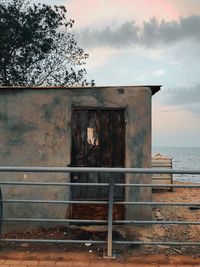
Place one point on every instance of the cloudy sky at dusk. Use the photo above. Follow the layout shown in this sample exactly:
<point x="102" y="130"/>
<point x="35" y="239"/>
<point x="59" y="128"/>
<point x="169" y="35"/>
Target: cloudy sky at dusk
<point x="136" y="42"/>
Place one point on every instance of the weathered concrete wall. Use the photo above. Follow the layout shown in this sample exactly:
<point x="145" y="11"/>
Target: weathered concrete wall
<point x="35" y="130"/>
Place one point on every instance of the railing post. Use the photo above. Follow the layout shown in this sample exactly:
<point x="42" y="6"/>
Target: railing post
<point x="110" y="220"/>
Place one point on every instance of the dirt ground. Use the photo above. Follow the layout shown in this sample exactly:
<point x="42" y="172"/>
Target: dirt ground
<point x="185" y="233"/>
<point x="180" y="254"/>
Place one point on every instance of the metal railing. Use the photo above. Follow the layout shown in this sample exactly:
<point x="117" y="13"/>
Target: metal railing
<point x="111" y="184"/>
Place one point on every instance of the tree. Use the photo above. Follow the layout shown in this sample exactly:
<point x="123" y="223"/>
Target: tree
<point x="37" y="46"/>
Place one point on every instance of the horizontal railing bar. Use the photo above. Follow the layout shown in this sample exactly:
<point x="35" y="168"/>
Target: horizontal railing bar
<point x="99" y="184"/>
<point x="160" y="163"/>
<point x="162" y="166"/>
<point x="51" y="241"/>
<point x="157" y="203"/>
<point x="52" y="220"/>
<point x="155" y="222"/>
<point x="52" y="201"/>
<point x="99" y="221"/>
<point x="97" y="170"/>
<point x="159" y="185"/>
<point x="98" y="202"/>
<point x="98" y="242"/>
<point x="161" y="178"/>
<point x="53" y="184"/>
<point x="157" y="243"/>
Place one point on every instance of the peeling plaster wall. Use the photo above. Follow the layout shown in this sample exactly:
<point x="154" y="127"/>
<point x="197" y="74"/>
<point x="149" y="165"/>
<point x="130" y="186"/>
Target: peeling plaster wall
<point x="35" y="130"/>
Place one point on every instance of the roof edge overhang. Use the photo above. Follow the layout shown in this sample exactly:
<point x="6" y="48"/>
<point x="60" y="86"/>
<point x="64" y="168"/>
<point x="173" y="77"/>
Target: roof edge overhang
<point x="154" y="88"/>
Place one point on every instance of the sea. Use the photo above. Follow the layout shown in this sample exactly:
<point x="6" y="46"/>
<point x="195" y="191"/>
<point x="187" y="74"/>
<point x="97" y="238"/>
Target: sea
<point x="183" y="158"/>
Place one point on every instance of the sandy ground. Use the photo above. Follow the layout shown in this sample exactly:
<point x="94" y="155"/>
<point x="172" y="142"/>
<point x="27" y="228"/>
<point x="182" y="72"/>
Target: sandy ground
<point x="159" y="254"/>
<point x="185" y="233"/>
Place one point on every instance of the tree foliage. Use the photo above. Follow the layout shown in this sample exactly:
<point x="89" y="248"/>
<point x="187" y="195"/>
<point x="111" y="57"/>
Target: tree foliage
<point x="37" y="46"/>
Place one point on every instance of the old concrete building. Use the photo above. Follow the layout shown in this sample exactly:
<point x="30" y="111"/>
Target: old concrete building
<point x="90" y="126"/>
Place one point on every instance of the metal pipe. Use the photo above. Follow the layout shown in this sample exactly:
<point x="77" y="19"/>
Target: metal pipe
<point x="97" y="202"/>
<point x="156" y="222"/>
<point x="97" y="184"/>
<point x="52" y="220"/>
<point x="163" y="178"/>
<point x="98" y="242"/>
<point x="158" y="243"/>
<point x="52" y="201"/>
<point x="51" y="241"/>
<point x="110" y="219"/>
<point x="159" y="185"/>
<point x="97" y="170"/>
<point x="99" y="221"/>
<point x="156" y="203"/>
<point x="53" y="184"/>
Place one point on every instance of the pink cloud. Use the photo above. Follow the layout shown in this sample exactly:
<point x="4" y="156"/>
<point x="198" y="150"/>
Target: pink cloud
<point x="179" y="119"/>
<point x="101" y="12"/>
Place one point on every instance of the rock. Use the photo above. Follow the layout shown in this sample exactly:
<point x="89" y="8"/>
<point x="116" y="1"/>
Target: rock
<point x="88" y="244"/>
<point x="158" y="216"/>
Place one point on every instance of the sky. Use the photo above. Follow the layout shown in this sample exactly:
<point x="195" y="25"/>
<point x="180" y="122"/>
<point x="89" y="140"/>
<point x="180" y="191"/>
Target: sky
<point x="146" y="42"/>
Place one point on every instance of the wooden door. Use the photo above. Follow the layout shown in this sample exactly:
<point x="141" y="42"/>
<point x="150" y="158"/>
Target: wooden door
<point x="98" y="140"/>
